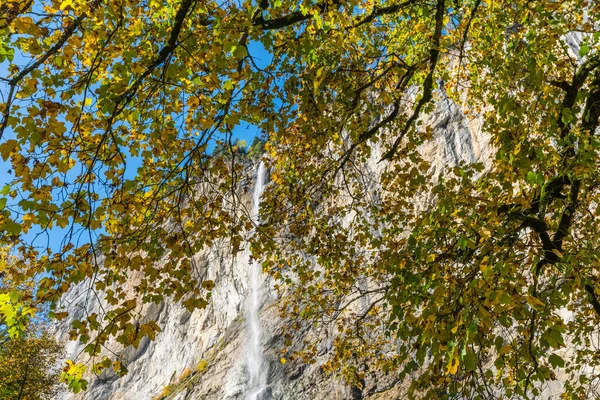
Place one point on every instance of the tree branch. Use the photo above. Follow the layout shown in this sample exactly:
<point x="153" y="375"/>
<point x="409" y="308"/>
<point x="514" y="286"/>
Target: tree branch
<point x="380" y="11"/>
<point x="12" y="14"/>
<point x="292" y="18"/>
<point x="53" y="50"/>
<point x="428" y="84"/>
<point x="299" y="16"/>
<point x="163" y="54"/>
<point x="593" y="298"/>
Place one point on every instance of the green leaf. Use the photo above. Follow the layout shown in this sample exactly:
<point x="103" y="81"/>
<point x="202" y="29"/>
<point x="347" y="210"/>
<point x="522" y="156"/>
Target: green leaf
<point x="470" y="361"/>
<point x="556" y="361"/>
<point x="10" y="227"/>
<point x="567" y="116"/>
<point x="6" y="52"/>
<point x="239" y="51"/>
<point x="535" y="303"/>
<point x="15" y="296"/>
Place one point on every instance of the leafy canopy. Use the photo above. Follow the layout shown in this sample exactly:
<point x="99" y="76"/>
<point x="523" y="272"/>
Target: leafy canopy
<point x="29" y="355"/>
<point x="110" y="110"/>
<point x="28" y="366"/>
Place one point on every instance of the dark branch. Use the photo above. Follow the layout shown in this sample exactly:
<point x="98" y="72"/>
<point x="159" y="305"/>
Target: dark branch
<point x="369" y="133"/>
<point x="13" y="12"/>
<point x="467" y="29"/>
<point x="299" y="16"/>
<point x="571" y="90"/>
<point x="381" y="11"/>
<point x="428" y="84"/>
<point x="292" y="18"/>
<point x="593" y="298"/>
<point x="566" y="218"/>
<point x="163" y="54"/>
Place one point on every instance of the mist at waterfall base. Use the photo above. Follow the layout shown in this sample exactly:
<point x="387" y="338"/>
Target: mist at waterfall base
<point x="257" y="379"/>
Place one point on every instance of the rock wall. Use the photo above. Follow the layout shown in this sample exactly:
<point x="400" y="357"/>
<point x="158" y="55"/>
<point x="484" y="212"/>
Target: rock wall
<point x="201" y="355"/>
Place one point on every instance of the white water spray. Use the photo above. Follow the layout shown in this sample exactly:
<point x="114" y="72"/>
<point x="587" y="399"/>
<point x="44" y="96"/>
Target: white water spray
<point x="257" y="381"/>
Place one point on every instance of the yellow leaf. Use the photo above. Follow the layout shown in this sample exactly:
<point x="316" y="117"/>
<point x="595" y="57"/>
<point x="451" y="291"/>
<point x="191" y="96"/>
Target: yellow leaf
<point x="534" y="302"/>
<point x="452" y="367"/>
<point x="66" y="4"/>
<point x="558" y="253"/>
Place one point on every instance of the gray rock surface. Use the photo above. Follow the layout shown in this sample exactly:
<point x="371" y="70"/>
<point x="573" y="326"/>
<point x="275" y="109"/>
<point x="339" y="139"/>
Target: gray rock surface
<point x="212" y="342"/>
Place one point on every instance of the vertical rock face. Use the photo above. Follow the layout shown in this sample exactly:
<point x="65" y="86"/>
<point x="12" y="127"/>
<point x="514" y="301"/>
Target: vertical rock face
<point x="456" y="139"/>
<point x="203" y="354"/>
<point x="186" y="338"/>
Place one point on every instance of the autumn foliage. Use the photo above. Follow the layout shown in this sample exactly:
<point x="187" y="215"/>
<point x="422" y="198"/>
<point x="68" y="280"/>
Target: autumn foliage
<point x="29" y="355"/>
<point x="29" y="367"/>
<point x="111" y="110"/>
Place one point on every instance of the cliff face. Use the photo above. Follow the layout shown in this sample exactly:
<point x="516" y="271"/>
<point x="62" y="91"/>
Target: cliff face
<point x="202" y="355"/>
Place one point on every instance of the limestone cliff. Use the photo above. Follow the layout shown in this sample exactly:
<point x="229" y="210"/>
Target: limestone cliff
<point x="201" y="355"/>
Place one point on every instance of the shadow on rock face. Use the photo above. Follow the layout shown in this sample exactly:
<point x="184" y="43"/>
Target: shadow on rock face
<point x="264" y="394"/>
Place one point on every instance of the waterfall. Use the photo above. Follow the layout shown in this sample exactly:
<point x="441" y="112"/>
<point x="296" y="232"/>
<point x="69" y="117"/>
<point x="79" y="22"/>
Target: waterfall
<point x="257" y="379"/>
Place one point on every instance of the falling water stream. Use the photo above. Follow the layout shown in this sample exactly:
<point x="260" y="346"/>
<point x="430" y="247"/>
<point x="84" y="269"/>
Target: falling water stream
<point x="257" y="379"/>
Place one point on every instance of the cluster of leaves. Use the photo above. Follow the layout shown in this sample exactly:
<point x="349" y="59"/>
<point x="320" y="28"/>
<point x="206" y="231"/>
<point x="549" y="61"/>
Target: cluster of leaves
<point x="231" y="149"/>
<point x="18" y="306"/>
<point x="28" y="366"/>
<point x="461" y="280"/>
<point x="29" y="355"/>
<point x="172" y="387"/>
<point x="257" y="148"/>
<point x="239" y="149"/>
<point x="111" y="109"/>
<point x="15" y="313"/>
